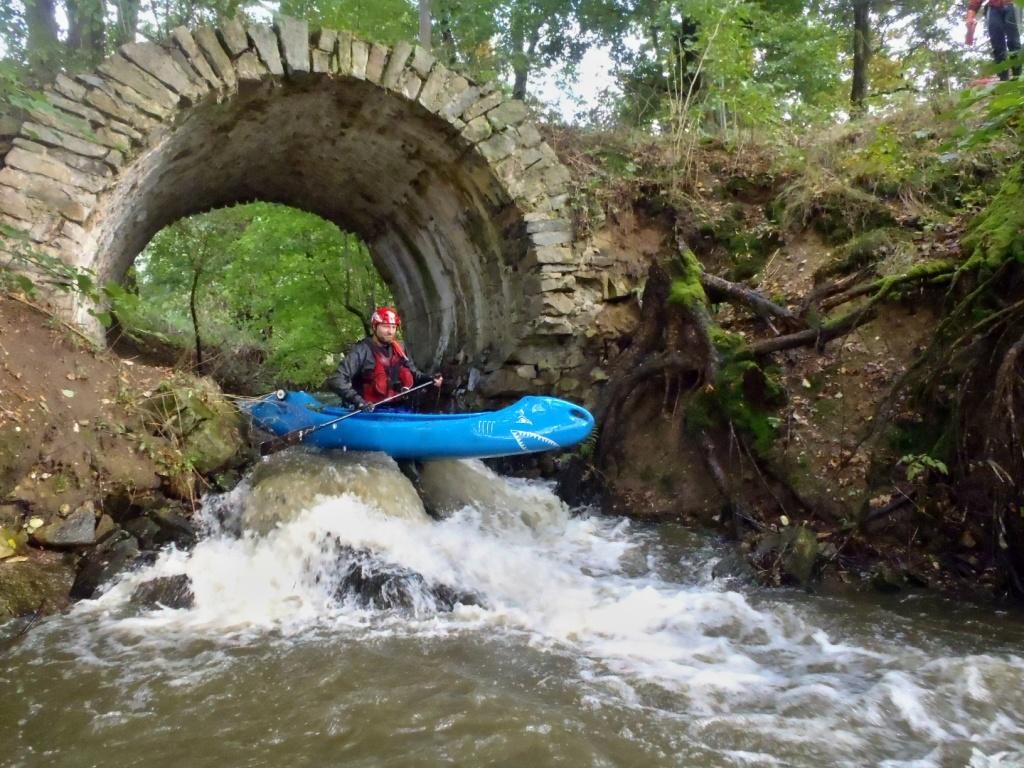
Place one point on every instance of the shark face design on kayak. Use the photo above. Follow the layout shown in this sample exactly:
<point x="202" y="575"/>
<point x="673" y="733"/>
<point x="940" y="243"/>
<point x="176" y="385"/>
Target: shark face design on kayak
<point x="521" y="439"/>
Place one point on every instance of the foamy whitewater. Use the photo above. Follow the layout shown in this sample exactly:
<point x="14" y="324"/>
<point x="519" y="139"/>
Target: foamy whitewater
<point x="753" y="679"/>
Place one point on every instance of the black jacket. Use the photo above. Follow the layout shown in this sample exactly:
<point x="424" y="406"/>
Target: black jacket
<point x="357" y="368"/>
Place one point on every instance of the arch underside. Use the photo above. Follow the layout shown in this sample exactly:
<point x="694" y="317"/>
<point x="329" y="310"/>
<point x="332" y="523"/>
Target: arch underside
<point x="441" y="230"/>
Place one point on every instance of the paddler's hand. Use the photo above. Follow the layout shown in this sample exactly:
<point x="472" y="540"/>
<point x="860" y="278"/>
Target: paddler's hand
<point x="362" y="405"/>
<point x="438" y="379"/>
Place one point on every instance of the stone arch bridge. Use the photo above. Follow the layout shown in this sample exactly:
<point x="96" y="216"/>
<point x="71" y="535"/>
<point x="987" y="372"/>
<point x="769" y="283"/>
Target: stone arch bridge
<point x="464" y="206"/>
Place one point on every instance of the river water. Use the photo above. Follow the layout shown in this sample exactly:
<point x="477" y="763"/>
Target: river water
<point x="596" y="642"/>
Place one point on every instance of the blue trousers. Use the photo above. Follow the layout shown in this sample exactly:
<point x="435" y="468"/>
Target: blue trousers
<point x="1004" y="32"/>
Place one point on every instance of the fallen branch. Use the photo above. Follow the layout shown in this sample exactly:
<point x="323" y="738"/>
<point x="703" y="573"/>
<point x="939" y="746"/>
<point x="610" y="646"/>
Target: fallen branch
<point x="832" y="329"/>
<point x="886" y="285"/>
<point x="825" y="290"/>
<point x="815" y="336"/>
<point x="719" y="288"/>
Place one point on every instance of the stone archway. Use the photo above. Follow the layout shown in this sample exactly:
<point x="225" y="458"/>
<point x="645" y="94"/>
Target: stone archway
<point x="461" y="201"/>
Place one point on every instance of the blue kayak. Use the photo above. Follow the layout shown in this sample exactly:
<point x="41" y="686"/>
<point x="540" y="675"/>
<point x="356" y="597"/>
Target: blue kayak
<point x="530" y="425"/>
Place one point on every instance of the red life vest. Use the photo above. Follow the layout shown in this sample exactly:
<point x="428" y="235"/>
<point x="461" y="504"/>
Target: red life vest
<point x="390" y="376"/>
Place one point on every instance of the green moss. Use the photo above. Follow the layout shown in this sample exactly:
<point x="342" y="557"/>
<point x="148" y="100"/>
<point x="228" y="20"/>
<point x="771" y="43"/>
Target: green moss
<point x="686" y="288"/>
<point x="997" y="234"/>
<point x="863" y="249"/>
<point x="745" y="395"/>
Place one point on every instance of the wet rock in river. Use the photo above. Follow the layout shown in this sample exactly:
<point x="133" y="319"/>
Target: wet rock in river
<point x="375" y="583"/>
<point x="35" y="585"/>
<point x="77" y="530"/>
<point x="165" y="591"/>
<point x="116" y="553"/>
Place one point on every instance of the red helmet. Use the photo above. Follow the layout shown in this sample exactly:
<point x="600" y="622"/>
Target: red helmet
<point x="386" y="315"/>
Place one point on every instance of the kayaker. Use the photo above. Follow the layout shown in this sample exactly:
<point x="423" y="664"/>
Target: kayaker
<point x="377" y="367"/>
<point x="1003" y="23"/>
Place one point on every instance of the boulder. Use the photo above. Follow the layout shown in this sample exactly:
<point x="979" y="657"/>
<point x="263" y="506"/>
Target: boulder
<point x="117" y="552"/>
<point x="35" y="585"/>
<point x="195" y="414"/>
<point x="77" y="530"/>
<point x="375" y="583"/>
<point x="165" y="591"/>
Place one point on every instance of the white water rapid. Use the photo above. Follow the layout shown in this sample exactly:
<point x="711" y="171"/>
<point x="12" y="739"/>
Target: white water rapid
<point x="614" y="638"/>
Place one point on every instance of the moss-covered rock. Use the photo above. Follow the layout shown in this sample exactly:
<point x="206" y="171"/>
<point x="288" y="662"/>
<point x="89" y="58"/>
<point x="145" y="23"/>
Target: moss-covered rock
<point x="39" y="584"/>
<point x="194" y="416"/>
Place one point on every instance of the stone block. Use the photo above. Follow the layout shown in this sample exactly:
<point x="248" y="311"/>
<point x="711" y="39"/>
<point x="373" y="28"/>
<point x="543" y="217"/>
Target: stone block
<point x="64" y="140"/>
<point x="215" y="56"/>
<point x="44" y="165"/>
<point x="615" y="287"/>
<point x="552" y="237"/>
<point x="375" y="62"/>
<point x="529" y="136"/>
<point x="557" y="304"/>
<point x="68" y="201"/>
<point x="344" y="62"/>
<point x="123" y="71"/>
<point x="114" y="107"/>
<point x="482" y="105"/>
<point x="154" y="60"/>
<point x="188" y="46"/>
<point x="326" y="40"/>
<point x="422" y="61"/>
<point x="497" y="147"/>
<point x="458" y="95"/>
<point x="360" y="55"/>
<point x="554" y="255"/>
<point x="477" y="130"/>
<point x="250" y="68"/>
<point x="14" y="204"/>
<point x="557" y="283"/>
<point x="396" y="65"/>
<point x="293" y="35"/>
<point x="553" y="326"/>
<point x="76" y="108"/>
<point x="409" y="85"/>
<point x="69" y="88"/>
<point x="320" y="61"/>
<point x="539" y="222"/>
<point x="78" y="127"/>
<point x="511" y="112"/>
<point x="87" y="165"/>
<point x="232" y="34"/>
<point x="433" y="94"/>
<point x="265" y="42"/>
<point x="201" y="86"/>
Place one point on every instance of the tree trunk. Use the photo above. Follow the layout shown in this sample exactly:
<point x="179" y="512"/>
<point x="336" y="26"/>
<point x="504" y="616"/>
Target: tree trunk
<point x="425" y="23"/>
<point x="86" y="29"/>
<point x="42" y="43"/>
<point x="520" y="66"/>
<point x="127" y="22"/>
<point x="861" y="53"/>
<point x="192" y="305"/>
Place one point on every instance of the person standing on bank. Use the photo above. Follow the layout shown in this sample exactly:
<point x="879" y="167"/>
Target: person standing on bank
<point x="377" y="367"/>
<point x="1003" y="30"/>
